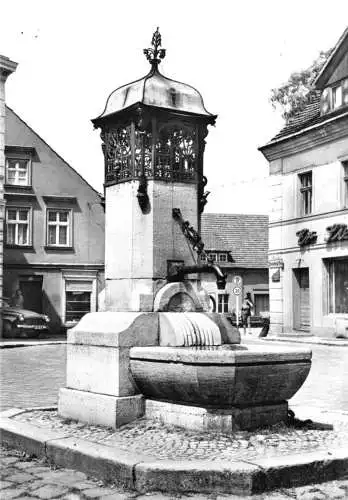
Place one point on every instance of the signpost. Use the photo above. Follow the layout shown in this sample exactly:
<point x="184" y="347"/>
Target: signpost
<point x="237" y="290"/>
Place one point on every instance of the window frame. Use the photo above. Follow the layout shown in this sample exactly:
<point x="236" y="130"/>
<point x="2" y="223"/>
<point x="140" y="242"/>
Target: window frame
<point x="305" y="191"/>
<point x="16" y="223"/>
<point x="17" y="158"/>
<point x="87" y="280"/>
<point x="69" y="225"/>
<point x="225" y="259"/>
<point x="222" y="302"/>
<point x="334" y="91"/>
<point x="344" y="164"/>
<point x="331" y="286"/>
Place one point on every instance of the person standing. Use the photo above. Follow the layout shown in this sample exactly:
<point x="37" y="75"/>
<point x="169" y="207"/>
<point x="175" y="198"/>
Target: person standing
<point x="18" y="299"/>
<point x="247" y="307"/>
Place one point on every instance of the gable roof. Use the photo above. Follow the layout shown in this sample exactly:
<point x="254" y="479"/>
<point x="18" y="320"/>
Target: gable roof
<point x="335" y="57"/>
<point x="11" y="140"/>
<point x="245" y="236"/>
<point x="310" y="115"/>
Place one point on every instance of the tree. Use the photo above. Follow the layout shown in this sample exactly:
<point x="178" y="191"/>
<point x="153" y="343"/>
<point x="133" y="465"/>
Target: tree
<point x="292" y="96"/>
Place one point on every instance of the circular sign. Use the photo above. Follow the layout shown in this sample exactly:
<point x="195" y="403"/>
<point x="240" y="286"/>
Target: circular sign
<point x="237" y="290"/>
<point x="237" y="280"/>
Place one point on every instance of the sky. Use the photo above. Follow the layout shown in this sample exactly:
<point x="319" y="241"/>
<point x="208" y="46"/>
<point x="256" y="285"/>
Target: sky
<point x="72" y="54"/>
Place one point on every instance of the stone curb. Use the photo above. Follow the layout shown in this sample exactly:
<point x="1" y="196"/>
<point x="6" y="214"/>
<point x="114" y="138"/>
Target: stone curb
<point x="12" y="345"/>
<point x="146" y="473"/>
<point x="307" y="340"/>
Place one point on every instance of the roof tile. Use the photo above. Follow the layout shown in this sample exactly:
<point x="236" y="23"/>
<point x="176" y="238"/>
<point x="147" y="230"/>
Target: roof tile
<point x="244" y="235"/>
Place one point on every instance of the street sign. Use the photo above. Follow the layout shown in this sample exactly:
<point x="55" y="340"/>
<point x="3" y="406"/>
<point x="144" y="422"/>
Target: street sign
<point x="237" y="290"/>
<point x="237" y="280"/>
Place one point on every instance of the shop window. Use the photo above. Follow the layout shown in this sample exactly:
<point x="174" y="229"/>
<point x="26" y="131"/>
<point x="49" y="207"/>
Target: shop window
<point x="78" y="299"/>
<point x="338" y="286"/>
<point x="223" y="302"/>
<point x="18" y="226"/>
<point x="58" y="228"/>
<point x="261" y="302"/>
<point x="305" y="193"/>
<point x="18" y="171"/>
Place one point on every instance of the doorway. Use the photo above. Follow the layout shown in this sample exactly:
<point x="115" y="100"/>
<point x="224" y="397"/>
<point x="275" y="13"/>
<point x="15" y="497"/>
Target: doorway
<point x="31" y="287"/>
<point x="301" y="299"/>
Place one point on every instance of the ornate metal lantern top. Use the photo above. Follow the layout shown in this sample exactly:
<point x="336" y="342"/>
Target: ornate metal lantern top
<point x="155" y="89"/>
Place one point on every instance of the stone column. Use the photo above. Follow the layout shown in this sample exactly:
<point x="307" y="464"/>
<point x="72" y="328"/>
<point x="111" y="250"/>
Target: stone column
<point x="6" y="68"/>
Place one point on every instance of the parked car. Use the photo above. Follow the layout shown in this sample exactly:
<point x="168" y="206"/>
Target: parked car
<point x="18" y="322"/>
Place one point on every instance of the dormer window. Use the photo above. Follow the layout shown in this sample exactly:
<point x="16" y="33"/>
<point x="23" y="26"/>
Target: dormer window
<point x="336" y="97"/>
<point x="18" y="171"/>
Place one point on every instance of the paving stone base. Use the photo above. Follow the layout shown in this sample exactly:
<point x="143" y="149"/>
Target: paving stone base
<point x="202" y="419"/>
<point x="218" y="463"/>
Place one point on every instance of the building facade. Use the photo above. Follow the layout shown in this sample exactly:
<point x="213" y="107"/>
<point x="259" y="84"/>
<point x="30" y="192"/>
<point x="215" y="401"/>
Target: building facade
<point x="6" y="68"/>
<point x="54" y="230"/>
<point x="308" y="230"/>
<point x="239" y="244"/>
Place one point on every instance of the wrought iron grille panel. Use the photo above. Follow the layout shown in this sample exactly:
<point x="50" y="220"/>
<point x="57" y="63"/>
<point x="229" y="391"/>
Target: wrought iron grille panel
<point x="118" y="154"/>
<point x="143" y="153"/>
<point x="176" y="155"/>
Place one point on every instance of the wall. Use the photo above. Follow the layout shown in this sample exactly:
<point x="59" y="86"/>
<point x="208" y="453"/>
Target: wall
<point x="54" y="184"/>
<point x="329" y="207"/>
<point x="6" y="68"/>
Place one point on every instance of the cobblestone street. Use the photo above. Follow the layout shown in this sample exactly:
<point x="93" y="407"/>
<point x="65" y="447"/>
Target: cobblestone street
<point x="25" y="478"/>
<point x="165" y="442"/>
<point x="31" y="376"/>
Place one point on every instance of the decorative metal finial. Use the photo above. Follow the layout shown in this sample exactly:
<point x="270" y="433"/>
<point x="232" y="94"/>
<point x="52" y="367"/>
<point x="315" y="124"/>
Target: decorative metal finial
<point x="155" y="55"/>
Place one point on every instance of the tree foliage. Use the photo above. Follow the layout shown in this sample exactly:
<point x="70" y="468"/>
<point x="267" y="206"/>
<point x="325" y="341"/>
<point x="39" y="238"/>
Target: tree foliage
<point x="292" y="96"/>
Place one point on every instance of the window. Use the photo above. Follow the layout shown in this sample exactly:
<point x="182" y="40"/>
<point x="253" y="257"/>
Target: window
<point x="17" y="172"/>
<point x="337" y="97"/>
<point x="345" y="181"/>
<point x="77" y="304"/>
<point x="338" y="286"/>
<point x="306" y="193"/>
<point x="223" y="257"/>
<point x="223" y="302"/>
<point x="261" y="302"/>
<point x="58" y="228"/>
<point x="18" y="226"/>
<point x="212" y="257"/>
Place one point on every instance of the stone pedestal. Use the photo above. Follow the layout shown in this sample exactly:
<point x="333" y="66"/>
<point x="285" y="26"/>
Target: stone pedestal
<point x="100" y="388"/>
<point x="216" y="420"/>
<point x="99" y="409"/>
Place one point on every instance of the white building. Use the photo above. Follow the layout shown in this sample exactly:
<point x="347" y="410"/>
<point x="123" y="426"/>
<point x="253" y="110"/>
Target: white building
<point x="308" y="226"/>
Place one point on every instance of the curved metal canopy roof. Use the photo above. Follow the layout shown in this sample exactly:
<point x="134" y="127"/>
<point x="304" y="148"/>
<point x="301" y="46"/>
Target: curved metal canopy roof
<point x="155" y="89"/>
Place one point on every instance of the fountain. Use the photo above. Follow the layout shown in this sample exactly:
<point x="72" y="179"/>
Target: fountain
<point x="157" y="351"/>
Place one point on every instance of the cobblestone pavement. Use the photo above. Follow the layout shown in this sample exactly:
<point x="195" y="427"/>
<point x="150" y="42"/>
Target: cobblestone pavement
<point x="31" y="376"/>
<point x="168" y="442"/>
<point x="23" y="477"/>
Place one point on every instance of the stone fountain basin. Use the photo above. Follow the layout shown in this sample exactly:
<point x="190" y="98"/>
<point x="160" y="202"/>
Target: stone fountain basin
<point x="220" y="376"/>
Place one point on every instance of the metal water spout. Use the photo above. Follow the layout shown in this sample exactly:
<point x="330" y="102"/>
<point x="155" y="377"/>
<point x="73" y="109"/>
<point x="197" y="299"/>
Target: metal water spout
<point x="178" y="274"/>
